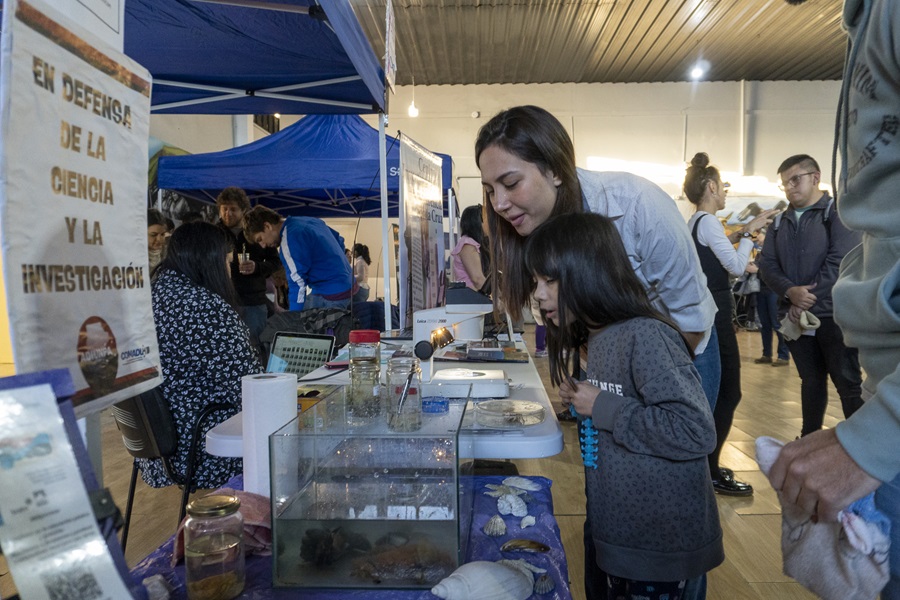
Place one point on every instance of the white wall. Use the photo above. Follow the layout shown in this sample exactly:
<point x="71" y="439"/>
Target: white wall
<point x="198" y="133"/>
<point x="664" y="123"/>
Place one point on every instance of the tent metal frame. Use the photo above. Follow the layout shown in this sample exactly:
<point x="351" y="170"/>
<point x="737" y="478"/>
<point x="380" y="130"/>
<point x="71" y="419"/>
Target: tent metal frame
<point x="235" y="93"/>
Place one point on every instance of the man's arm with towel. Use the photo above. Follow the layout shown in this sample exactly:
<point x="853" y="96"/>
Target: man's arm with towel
<point x="816" y="473"/>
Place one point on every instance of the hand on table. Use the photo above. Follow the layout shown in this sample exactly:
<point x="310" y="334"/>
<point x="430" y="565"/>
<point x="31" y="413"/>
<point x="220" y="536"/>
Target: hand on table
<point x="580" y="395"/>
<point x="817" y="474"/>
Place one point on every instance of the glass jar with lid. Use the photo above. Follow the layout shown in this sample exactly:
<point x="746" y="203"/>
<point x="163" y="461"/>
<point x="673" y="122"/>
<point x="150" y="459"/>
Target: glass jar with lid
<point x="214" y="548"/>
<point x="403" y="407"/>
<point x="365" y="346"/>
<point x="364" y="393"/>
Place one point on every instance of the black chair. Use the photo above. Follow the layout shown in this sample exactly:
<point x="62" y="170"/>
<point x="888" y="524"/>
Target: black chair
<point x="148" y="431"/>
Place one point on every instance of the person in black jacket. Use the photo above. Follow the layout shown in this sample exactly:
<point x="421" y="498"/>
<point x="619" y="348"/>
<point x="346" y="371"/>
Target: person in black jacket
<point x="799" y="262"/>
<point x="249" y="275"/>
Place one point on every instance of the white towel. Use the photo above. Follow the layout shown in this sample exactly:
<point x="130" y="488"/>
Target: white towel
<point x="847" y="560"/>
<point x="791" y="331"/>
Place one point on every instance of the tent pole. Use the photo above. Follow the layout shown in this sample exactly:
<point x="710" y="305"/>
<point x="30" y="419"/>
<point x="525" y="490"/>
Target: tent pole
<point x="385" y="224"/>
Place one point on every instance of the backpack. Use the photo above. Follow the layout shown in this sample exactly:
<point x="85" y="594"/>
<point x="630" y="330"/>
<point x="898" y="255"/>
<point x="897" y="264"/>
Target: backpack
<point x="826" y="220"/>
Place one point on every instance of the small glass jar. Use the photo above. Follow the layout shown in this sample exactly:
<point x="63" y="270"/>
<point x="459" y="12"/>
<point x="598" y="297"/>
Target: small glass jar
<point x="365" y="346"/>
<point x="403" y="407"/>
<point x="364" y="393"/>
<point x="214" y="548"/>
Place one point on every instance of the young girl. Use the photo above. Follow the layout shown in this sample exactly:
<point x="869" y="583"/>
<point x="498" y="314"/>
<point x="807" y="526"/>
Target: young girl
<point x="646" y="424"/>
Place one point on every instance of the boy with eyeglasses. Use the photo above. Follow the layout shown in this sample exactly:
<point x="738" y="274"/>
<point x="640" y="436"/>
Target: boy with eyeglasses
<point x="799" y="262"/>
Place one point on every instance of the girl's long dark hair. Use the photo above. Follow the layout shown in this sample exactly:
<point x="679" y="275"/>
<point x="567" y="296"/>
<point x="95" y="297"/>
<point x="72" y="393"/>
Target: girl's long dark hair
<point x="597" y="285"/>
<point x="535" y="136"/>
<point x="198" y="250"/>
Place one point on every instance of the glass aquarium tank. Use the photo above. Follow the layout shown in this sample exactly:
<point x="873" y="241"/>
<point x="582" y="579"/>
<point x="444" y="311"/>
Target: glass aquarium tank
<point x="357" y="505"/>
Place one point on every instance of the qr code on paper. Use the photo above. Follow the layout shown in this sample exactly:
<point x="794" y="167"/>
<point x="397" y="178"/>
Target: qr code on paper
<point x="76" y="582"/>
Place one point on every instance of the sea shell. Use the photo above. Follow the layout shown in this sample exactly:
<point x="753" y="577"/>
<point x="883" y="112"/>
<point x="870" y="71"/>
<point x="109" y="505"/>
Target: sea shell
<point x="544" y="584"/>
<point x="501" y="490"/>
<point x="483" y="580"/>
<point x="522" y="484"/>
<point x="522" y="545"/>
<point x="496" y="526"/>
<point x="527" y="521"/>
<point x="510" y="504"/>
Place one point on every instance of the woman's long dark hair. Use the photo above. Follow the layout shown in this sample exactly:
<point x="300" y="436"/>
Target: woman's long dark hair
<point x="597" y="285"/>
<point x="363" y="251"/>
<point x="535" y="136"/>
<point x="198" y="250"/>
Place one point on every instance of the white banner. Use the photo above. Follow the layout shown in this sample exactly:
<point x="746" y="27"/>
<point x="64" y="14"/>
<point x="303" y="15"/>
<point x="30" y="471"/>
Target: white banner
<point x="422" y="262"/>
<point x="74" y="124"/>
<point x="103" y="18"/>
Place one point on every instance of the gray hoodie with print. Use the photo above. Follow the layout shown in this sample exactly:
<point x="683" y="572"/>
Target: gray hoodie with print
<point x="867" y="294"/>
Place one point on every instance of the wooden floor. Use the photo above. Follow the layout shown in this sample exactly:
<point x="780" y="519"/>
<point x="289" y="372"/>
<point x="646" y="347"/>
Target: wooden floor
<point x="752" y="568"/>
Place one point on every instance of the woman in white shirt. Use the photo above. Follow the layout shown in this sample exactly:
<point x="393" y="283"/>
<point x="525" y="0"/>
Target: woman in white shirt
<point x="720" y="261"/>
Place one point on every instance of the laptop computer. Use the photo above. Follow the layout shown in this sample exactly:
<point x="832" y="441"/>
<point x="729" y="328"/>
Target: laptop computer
<point x="299" y="353"/>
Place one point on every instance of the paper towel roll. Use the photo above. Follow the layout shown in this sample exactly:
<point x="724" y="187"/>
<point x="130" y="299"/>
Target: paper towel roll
<point x="269" y="401"/>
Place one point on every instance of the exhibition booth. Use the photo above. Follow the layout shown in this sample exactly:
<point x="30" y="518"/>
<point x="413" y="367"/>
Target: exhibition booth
<point x="179" y="57"/>
<point x="321" y="166"/>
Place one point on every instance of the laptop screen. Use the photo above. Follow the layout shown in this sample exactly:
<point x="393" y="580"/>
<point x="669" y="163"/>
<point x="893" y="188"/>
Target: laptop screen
<point x="299" y="353"/>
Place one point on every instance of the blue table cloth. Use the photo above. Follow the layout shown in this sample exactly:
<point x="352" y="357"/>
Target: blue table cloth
<point x="481" y="547"/>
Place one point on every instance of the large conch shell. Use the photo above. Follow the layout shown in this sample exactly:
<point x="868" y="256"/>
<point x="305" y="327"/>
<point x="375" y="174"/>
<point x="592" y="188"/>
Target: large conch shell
<point x="483" y="580"/>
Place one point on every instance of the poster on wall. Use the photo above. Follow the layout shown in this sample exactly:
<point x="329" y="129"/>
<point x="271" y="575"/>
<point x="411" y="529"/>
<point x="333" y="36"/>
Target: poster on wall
<point x="73" y="140"/>
<point x="422" y="264"/>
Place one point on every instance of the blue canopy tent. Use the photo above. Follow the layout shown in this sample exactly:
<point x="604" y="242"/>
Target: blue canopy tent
<point x="322" y="165"/>
<point x="253" y="57"/>
<point x="242" y="57"/>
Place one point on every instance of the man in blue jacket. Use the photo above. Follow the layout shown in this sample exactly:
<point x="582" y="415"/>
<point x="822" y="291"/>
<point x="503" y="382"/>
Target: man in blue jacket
<point x="312" y="253"/>
<point x="799" y="262"/>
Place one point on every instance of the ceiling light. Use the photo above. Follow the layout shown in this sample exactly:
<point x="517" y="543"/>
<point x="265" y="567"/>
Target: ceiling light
<point x="699" y="69"/>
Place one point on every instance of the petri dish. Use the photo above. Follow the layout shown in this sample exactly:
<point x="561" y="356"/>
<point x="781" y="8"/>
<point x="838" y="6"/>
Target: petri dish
<point x="508" y="414"/>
